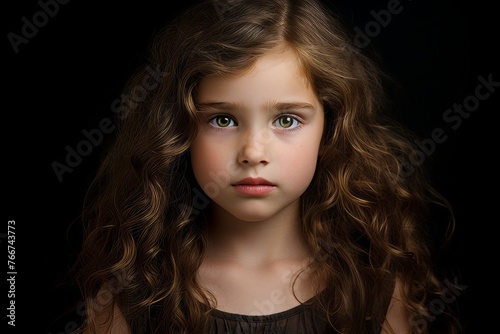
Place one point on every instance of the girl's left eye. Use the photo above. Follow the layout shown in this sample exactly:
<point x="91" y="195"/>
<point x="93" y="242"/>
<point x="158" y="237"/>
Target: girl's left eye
<point x="222" y="121"/>
<point x="286" y="122"/>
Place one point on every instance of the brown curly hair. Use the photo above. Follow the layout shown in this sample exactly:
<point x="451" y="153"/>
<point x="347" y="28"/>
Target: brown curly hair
<point x="365" y="214"/>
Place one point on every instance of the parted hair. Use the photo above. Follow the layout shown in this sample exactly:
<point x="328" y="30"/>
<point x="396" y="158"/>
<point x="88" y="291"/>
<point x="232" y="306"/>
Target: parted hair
<point x="367" y="215"/>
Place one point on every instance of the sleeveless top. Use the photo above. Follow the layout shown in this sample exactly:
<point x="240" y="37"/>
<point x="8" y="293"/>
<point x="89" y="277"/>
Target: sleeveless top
<point x="302" y="319"/>
<point x="299" y="319"/>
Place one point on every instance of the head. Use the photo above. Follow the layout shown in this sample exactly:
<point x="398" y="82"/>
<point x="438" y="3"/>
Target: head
<point x="223" y="44"/>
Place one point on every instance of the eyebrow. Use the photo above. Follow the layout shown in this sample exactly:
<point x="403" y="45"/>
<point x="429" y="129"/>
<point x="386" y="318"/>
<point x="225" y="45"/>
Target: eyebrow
<point x="278" y="106"/>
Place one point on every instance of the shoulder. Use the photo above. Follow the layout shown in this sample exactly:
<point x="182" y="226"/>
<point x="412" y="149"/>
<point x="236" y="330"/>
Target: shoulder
<point x="108" y="318"/>
<point x="396" y="320"/>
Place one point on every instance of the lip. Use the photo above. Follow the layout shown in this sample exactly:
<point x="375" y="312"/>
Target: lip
<point x="254" y="181"/>
<point x="254" y="186"/>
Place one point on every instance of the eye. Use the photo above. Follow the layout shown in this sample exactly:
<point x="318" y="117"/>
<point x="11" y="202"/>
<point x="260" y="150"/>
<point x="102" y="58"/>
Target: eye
<point x="222" y="121"/>
<point x="286" y="122"/>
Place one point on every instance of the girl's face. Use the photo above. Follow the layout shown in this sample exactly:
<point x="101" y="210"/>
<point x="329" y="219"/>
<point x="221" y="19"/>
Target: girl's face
<point x="256" y="151"/>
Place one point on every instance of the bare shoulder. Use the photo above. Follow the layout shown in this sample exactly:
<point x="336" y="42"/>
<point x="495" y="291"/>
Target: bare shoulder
<point x="396" y="321"/>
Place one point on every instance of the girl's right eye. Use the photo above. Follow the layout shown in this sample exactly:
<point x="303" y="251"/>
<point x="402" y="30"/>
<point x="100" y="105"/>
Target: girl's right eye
<point x="222" y="121"/>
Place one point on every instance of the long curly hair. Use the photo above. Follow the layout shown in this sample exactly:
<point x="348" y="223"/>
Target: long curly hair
<point x="367" y="214"/>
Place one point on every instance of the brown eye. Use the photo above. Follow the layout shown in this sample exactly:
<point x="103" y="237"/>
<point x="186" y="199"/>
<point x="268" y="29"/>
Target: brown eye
<point x="286" y="122"/>
<point x="222" y="121"/>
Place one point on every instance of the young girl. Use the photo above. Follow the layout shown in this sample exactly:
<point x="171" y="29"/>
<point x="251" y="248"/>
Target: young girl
<point x="259" y="188"/>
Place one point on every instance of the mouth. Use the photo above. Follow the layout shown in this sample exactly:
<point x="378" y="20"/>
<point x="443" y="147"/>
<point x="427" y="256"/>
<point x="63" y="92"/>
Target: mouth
<point x="254" y="186"/>
<point x="251" y="181"/>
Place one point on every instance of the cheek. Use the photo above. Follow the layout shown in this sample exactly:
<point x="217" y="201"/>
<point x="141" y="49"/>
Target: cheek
<point x="302" y="161"/>
<point x="206" y="160"/>
<point x="304" y="164"/>
<point x="297" y="167"/>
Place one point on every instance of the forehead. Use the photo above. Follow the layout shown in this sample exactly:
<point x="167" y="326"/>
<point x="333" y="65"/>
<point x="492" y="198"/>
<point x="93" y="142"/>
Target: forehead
<point x="277" y="74"/>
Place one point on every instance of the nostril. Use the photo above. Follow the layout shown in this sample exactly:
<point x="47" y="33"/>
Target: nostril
<point x="252" y="155"/>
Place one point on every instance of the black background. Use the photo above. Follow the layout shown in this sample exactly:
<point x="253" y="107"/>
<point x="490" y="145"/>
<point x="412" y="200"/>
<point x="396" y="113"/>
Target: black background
<point x="65" y="79"/>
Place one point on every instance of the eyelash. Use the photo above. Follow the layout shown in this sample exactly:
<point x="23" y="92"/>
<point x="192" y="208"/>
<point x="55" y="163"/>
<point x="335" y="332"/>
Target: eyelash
<point x="231" y="119"/>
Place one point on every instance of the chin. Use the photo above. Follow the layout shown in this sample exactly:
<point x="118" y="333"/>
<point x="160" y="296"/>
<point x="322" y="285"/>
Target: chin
<point x="250" y="216"/>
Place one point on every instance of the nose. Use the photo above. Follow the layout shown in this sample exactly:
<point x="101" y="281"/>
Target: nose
<point x="254" y="148"/>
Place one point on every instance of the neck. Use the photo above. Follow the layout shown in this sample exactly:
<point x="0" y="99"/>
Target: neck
<point x="256" y="243"/>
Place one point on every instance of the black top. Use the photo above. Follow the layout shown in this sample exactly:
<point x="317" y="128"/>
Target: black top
<point x="299" y="319"/>
<point x="306" y="318"/>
